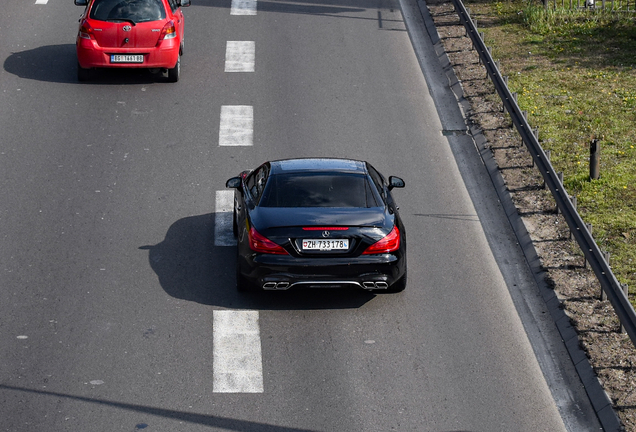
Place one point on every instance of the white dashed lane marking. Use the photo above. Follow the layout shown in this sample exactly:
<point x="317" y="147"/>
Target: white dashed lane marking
<point x="238" y="364"/>
<point x="237" y="125"/>
<point x="223" y="235"/>
<point x="41" y="1"/>
<point x="239" y="56"/>
<point x="243" y="7"/>
<point x="237" y="360"/>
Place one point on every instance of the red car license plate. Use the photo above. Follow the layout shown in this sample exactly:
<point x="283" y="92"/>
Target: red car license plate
<point x="126" y="58"/>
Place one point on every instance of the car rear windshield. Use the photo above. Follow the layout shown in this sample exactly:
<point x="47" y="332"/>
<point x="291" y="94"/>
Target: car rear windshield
<point x="128" y="10"/>
<point x="319" y="190"/>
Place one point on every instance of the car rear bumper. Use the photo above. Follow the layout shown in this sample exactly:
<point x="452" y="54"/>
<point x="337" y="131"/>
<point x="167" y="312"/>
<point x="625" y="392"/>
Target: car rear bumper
<point x="281" y="272"/>
<point x="91" y="55"/>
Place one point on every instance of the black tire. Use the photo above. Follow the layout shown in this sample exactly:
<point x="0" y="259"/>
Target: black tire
<point x="83" y="74"/>
<point x="242" y="284"/>
<point x="175" y="72"/>
<point x="234" y="225"/>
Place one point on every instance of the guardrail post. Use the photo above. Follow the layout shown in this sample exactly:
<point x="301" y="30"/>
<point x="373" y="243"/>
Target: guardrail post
<point x="560" y="176"/>
<point x="589" y="229"/>
<point x="606" y="257"/>
<point x="595" y="159"/>
<point x="626" y="291"/>
<point x="574" y="204"/>
<point x="548" y="153"/>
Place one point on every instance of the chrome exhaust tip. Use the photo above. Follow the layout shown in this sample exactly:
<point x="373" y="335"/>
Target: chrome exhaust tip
<point x="276" y="285"/>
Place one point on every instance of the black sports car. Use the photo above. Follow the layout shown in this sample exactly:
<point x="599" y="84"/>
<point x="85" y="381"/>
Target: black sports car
<point x="318" y="223"/>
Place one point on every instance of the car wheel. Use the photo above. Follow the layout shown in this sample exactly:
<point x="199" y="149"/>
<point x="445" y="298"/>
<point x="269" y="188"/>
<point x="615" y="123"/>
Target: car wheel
<point x="173" y="74"/>
<point x="242" y="284"/>
<point x="82" y="74"/>
<point x="398" y="286"/>
<point x="234" y="224"/>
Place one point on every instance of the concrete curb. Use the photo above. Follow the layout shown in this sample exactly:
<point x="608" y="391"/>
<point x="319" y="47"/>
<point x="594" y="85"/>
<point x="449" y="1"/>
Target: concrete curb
<point x="598" y="397"/>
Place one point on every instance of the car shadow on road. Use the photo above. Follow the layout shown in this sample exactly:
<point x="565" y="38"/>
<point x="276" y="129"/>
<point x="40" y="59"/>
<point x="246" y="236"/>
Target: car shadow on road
<point x="58" y="64"/>
<point x="190" y="267"/>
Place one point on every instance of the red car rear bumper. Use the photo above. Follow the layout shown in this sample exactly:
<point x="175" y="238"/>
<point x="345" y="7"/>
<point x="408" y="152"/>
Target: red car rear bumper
<point x="91" y="55"/>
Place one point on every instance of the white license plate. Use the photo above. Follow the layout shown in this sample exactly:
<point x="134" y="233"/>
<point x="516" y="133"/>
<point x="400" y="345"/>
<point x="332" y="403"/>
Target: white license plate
<point x="126" y="58"/>
<point x="325" y="245"/>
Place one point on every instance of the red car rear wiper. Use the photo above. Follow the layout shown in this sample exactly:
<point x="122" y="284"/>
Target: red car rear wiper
<point x="122" y="19"/>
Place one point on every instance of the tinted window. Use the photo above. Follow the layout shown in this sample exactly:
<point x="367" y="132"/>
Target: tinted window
<point x="255" y="182"/>
<point x="318" y="190"/>
<point x="135" y="10"/>
<point x="377" y="179"/>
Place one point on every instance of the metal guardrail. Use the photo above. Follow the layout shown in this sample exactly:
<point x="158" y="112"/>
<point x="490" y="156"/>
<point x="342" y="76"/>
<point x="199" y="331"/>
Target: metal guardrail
<point x="593" y="254"/>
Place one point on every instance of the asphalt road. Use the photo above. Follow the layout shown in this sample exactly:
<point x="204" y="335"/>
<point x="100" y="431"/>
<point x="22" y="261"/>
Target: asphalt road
<point x="111" y="280"/>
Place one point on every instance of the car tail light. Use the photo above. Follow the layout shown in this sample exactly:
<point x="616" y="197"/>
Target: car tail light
<point x="86" y="31"/>
<point x="390" y="243"/>
<point x="169" y="31"/>
<point x="260" y="243"/>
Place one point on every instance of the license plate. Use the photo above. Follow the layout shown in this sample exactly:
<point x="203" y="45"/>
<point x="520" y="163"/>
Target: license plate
<point x="325" y="245"/>
<point x="126" y="58"/>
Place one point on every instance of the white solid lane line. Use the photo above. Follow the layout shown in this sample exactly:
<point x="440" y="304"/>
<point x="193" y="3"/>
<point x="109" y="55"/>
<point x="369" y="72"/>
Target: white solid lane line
<point x="237" y="125"/>
<point x="237" y="361"/>
<point x="223" y="235"/>
<point x="243" y="7"/>
<point x="239" y="56"/>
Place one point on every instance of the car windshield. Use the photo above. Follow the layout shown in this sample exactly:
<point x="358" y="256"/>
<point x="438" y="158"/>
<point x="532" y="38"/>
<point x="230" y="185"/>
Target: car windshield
<point x="128" y="10"/>
<point x="319" y="190"/>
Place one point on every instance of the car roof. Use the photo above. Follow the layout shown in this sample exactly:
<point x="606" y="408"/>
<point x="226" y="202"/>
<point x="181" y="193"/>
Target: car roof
<point x="318" y="165"/>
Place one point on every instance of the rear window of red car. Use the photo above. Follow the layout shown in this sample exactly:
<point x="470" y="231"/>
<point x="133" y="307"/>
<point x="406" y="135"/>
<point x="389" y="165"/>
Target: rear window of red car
<point x="128" y="10"/>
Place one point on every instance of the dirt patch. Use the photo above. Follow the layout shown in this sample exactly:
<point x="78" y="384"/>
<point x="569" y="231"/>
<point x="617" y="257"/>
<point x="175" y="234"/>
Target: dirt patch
<point x="611" y="353"/>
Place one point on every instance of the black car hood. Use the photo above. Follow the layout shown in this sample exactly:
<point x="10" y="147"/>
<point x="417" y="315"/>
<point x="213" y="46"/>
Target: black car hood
<point x="274" y="217"/>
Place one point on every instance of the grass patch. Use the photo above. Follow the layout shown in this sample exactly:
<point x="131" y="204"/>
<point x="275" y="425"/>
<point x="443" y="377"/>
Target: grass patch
<point x="574" y="72"/>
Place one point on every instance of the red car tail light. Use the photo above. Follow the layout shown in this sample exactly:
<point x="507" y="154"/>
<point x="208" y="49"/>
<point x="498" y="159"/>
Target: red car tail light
<point x="390" y="243"/>
<point x="260" y="243"/>
<point x="169" y="31"/>
<point x="86" y="31"/>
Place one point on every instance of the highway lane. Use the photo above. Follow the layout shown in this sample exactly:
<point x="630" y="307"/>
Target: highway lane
<point x="110" y="274"/>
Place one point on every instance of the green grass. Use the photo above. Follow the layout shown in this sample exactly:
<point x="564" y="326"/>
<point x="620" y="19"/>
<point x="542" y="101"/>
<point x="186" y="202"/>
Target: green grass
<point x="575" y="74"/>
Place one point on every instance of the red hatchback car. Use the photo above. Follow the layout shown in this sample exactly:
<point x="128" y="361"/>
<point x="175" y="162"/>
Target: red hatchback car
<point x="131" y="34"/>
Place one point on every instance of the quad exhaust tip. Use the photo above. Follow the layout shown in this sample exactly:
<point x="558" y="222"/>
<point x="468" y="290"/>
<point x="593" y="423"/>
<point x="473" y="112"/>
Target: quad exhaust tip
<point x="276" y="285"/>
<point x="375" y="285"/>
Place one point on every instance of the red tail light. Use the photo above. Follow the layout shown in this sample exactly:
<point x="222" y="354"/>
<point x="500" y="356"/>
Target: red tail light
<point x="86" y="31"/>
<point x="260" y="243"/>
<point x="169" y="31"/>
<point x="390" y="243"/>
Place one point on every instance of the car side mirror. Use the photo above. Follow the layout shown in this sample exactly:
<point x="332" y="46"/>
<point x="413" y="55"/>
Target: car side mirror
<point x="234" y="182"/>
<point x="184" y="3"/>
<point x="81" y="2"/>
<point x="395" y="182"/>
